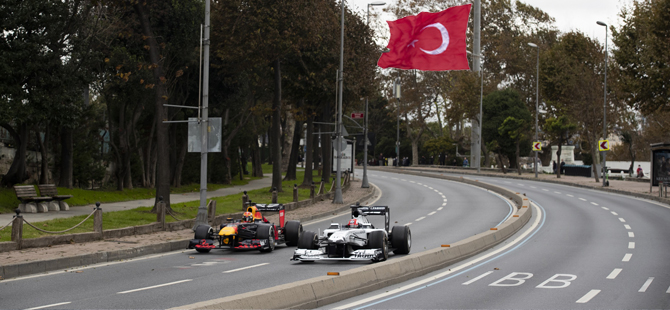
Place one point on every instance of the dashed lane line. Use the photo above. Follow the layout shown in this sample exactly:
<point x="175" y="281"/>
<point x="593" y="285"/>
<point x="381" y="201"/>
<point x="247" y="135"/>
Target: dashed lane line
<point x="557" y="192"/>
<point x="631" y="234"/>
<point x="544" y="189"/>
<point x="440" y="208"/>
<point x="627" y="226"/>
<point x="408" y="224"/>
<point x="593" y="203"/>
<point x="444" y="204"/>
<point x="569" y="195"/>
<point x="631" y="245"/>
<point x="431" y="213"/>
<point x="419" y="219"/>
<point x="614" y="273"/>
<point x="646" y="284"/>
<point x="51" y="305"/>
<point x="154" y="286"/>
<point x="627" y="257"/>
<point x="586" y="298"/>
<point x="605" y="208"/>
<point x="622" y="220"/>
<point x="614" y="213"/>
<point x="582" y="199"/>
<point x="245" y="268"/>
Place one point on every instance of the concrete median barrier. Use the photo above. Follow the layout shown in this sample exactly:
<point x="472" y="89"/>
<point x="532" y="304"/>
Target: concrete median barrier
<point x="320" y="291"/>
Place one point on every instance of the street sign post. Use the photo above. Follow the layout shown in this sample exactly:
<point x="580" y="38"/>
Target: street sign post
<point x="537" y="146"/>
<point x="603" y="145"/>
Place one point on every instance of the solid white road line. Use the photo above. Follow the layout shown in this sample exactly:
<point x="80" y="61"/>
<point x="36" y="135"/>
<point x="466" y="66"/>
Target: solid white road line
<point x="593" y="203"/>
<point x="586" y="298"/>
<point x="244" y="268"/>
<point x="614" y="273"/>
<point x="49" y="306"/>
<point x="477" y="278"/>
<point x="645" y="286"/>
<point x="421" y="218"/>
<point x="622" y="220"/>
<point x="631" y="245"/>
<point x="614" y="213"/>
<point x="627" y="226"/>
<point x="626" y="258"/>
<point x="155" y="286"/>
<point x="431" y="213"/>
<point x="631" y="234"/>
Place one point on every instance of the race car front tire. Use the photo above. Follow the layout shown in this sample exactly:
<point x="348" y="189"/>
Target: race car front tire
<point x="202" y="232"/>
<point x="379" y="240"/>
<point x="266" y="232"/>
<point x="401" y="239"/>
<point x="292" y="232"/>
<point x="308" y="240"/>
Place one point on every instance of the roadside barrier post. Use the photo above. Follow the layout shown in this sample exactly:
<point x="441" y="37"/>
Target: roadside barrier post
<point x="274" y="195"/>
<point x="295" y="192"/>
<point x="320" y="188"/>
<point x="17" y="229"/>
<point x="332" y="185"/>
<point x="211" y="210"/>
<point x="97" y="219"/>
<point x="311" y="191"/>
<point x="245" y="200"/>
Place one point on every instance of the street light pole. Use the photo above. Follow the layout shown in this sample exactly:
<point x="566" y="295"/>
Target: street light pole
<point x="537" y="98"/>
<point x="338" y="187"/>
<point x="201" y="217"/>
<point x="477" y="160"/>
<point x="604" y="108"/>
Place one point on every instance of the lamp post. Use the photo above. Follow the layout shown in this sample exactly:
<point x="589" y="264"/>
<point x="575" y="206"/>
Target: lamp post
<point x="338" y="187"/>
<point x="604" y="107"/>
<point x="396" y="94"/>
<point x="537" y="97"/>
<point x="376" y="3"/>
<point x="478" y="150"/>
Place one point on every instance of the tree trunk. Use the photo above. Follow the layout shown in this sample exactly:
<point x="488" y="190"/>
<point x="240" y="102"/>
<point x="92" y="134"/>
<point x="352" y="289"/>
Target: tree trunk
<point x="558" y="158"/>
<point x="256" y="159"/>
<point x="288" y="134"/>
<point x="66" y="158"/>
<point x="276" y="120"/>
<point x="176" y="179"/>
<point x="518" y="157"/>
<point x="309" y="145"/>
<point x="596" y="159"/>
<point x="291" y="173"/>
<point x="17" y="171"/>
<point x="501" y="163"/>
<point x="44" y="151"/>
<point x="485" y="153"/>
<point x="161" y="96"/>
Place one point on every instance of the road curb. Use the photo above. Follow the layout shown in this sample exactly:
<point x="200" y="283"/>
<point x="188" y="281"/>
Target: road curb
<point x="320" y="291"/>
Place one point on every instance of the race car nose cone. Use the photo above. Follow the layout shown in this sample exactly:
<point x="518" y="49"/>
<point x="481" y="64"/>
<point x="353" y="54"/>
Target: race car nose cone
<point x="338" y="240"/>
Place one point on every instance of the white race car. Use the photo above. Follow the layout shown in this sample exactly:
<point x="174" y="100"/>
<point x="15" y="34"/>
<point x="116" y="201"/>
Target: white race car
<point x="357" y="240"/>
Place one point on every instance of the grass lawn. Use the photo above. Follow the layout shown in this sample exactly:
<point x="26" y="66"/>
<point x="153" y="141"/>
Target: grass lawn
<point x="142" y="216"/>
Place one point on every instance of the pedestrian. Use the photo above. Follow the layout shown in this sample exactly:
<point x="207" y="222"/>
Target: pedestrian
<point x="562" y="165"/>
<point x="465" y="162"/>
<point x="553" y="166"/>
<point x="640" y="172"/>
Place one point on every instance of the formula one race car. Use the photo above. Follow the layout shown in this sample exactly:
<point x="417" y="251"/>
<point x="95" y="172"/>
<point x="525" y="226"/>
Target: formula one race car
<point x="253" y="231"/>
<point x="358" y="239"/>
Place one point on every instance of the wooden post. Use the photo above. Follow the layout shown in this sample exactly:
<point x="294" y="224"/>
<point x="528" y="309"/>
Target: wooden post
<point x="17" y="229"/>
<point x="311" y="191"/>
<point x="321" y="189"/>
<point x="295" y="192"/>
<point x="245" y="201"/>
<point x="97" y="219"/>
<point x="211" y="210"/>
<point x="332" y="185"/>
<point x="274" y="195"/>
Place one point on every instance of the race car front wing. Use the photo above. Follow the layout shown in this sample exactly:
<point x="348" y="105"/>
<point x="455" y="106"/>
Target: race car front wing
<point x="374" y="255"/>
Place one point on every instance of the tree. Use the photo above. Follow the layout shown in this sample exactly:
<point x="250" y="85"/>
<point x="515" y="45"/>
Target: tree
<point x="558" y="130"/>
<point x="517" y="129"/>
<point x="498" y="106"/>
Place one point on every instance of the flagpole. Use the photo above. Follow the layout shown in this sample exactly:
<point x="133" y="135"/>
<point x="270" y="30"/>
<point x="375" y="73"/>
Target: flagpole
<point x="476" y="145"/>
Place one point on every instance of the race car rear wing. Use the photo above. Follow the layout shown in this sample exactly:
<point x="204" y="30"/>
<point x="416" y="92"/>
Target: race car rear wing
<point x="373" y="210"/>
<point x="270" y="207"/>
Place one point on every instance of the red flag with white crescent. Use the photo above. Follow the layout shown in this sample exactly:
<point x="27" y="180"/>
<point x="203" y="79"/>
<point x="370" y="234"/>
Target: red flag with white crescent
<point x="429" y="41"/>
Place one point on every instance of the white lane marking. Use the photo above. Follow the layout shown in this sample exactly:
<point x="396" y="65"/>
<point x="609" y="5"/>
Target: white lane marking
<point x="614" y="213"/>
<point x="431" y="213"/>
<point x="605" y="208"/>
<point x="155" y="286"/>
<point x="443" y="196"/>
<point x="622" y="220"/>
<point x="631" y="245"/>
<point x="412" y="182"/>
<point x="408" y="224"/>
<point x="419" y="219"/>
<point x="533" y="187"/>
<point x="452" y="270"/>
<point x="403" y="180"/>
<point x="244" y="268"/>
<point x="626" y="258"/>
<point x="436" y="191"/>
<point x="394" y="178"/>
<point x="508" y="182"/>
<point x="646" y="285"/>
<point x="444" y="204"/>
<point x="419" y="183"/>
<point x="440" y="208"/>
<point x="520" y="184"/>
<point x="557" y="192"/>
<point x="586" y="298"/>
<point x="477" y="278"/>
<point x="544" y="189"/>
<point x="445" y="200"/>
<point x="569" y="195"/>
<point x="614" y="273"/>
<point x="631" y="234"/>
<point x="582" y="199"/>
<point x="430" y="187"/>
<point x="627" y="226"/>
<point x="668" y="291"/>
<point x="49" y="306"/>
<point x="593" y="203"/>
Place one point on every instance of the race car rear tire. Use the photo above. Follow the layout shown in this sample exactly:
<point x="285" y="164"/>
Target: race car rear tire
<point x="266" y="232"/>
<point x="308" y="240"/>
<point x="292" y="232"/>
<point x="202" y="250"/>
<point x="202" y="232"/>
<point x="379" y="240"/>
<point x="401" y="239"/>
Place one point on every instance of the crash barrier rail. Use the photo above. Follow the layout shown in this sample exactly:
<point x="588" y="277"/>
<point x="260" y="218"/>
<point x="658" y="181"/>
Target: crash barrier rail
<point x="320" y="291"/>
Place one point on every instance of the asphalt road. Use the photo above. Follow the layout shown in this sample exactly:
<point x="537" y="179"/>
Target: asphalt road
<point x="582" y="249"/>
<point x="437" y="212"/>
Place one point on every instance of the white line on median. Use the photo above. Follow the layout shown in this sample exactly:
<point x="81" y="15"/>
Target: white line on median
<point x="586" y="298"/>
<point x="645" y="286"/>
<point x="477" y="278"/>
<point x="155" y="286"/>
<point x="244" y="268"/>
<point x="614" y="273"/>
<point x="49" y="306"/>
<point x="626" y="258"/>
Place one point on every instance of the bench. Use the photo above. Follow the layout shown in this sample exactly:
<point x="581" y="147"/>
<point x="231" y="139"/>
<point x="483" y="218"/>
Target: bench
<point x="30" y="202"/>
<point x="50" y="190"/>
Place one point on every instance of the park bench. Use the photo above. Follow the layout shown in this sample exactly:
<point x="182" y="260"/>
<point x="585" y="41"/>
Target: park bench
<point x="58" y="203"/>
<point x="30" y="201"/>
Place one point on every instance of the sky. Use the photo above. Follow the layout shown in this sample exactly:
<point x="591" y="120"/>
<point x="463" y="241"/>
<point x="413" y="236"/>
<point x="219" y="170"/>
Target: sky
<point x="569" y="14"/>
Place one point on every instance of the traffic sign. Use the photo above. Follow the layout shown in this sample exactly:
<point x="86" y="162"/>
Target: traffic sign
<point x="603" y="145"/>
<point x="357" y="115"/>
<point x="537" y="146"/>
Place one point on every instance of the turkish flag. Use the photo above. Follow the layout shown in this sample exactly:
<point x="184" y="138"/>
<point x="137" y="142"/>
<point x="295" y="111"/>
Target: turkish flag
<point x="429" y="41"/>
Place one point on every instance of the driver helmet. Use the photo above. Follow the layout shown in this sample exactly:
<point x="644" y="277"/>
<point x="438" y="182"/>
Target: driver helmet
<point x="247" y="217"/>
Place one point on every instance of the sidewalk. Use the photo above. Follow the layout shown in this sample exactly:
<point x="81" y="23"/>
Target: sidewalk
<point x="632" y="187"/>
<point x="127" y="205"/>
